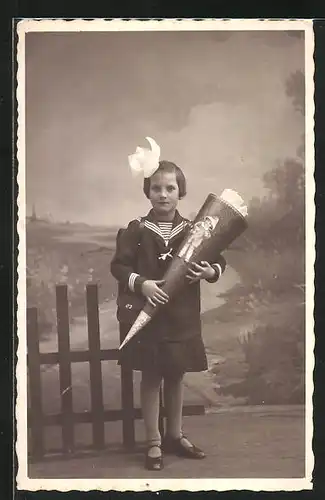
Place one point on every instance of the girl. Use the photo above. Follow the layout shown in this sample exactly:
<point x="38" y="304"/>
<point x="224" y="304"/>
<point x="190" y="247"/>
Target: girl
<point x="170" y="344"/>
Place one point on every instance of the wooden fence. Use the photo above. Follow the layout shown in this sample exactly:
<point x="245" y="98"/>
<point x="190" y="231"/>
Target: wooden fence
<point x="67" y="418"/>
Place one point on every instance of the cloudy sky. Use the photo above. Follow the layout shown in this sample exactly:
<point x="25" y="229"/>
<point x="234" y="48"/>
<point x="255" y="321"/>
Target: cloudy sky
<point x="214" y="101"/>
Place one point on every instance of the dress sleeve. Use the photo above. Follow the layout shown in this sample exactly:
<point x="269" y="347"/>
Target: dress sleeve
<point x="123" y="264"/>
<point x="219" y="266"/>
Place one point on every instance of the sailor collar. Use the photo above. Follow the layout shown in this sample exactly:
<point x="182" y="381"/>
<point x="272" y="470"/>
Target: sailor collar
<point x="178" y="225"/>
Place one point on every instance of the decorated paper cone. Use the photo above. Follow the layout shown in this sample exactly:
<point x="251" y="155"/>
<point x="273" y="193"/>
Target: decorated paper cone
<point x="218" y="223"/>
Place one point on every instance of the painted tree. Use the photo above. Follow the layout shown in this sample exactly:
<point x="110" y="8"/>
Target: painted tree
<point x="271" y="268"/>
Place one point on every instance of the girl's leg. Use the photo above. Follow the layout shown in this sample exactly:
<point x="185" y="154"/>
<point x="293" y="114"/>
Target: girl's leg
<point x="173" y="401"/>
<point x="150" y="385"/>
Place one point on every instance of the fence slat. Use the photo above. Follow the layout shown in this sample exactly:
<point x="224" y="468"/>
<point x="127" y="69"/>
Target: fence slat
<point x="95" y="368"/>
<point x="127" y="400"/>
<point x="35" y="419"/>
<point x="62" y="310"/>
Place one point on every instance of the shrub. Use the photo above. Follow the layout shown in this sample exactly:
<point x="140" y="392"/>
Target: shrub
<point x="271" y="268"/>
<point x="274" y="355"/>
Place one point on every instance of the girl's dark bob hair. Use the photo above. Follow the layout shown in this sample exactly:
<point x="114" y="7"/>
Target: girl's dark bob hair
<point x="168" y="167"/>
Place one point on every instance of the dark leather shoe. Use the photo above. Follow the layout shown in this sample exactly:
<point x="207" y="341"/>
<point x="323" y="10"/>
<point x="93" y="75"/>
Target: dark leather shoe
<point x="177" y="447"/>
<point x="154" y="463"/>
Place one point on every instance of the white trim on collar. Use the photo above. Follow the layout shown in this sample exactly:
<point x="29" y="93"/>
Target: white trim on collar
<point x="156" y="229"/>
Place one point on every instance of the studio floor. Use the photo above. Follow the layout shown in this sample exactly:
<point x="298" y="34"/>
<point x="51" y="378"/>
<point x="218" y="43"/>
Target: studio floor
<point x="239" y="443"/>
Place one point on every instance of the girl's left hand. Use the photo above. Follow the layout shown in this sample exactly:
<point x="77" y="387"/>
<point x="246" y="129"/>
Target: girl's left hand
<point x="200" y="271"/>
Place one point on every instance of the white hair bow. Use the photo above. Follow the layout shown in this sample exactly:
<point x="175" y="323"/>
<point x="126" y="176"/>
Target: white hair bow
<point x="145" y="161"/>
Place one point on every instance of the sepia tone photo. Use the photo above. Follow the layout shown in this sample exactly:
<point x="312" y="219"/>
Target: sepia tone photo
<point x="166" y="253"/>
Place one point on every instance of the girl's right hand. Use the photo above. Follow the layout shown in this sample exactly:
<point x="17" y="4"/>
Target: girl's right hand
<point x="154" y="294"/>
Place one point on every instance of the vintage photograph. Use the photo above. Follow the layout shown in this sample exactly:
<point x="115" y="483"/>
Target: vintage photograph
<point x="166" y="253"/>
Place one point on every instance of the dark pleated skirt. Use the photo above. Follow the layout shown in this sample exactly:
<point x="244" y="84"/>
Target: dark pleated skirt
<point x="166" y="357"/>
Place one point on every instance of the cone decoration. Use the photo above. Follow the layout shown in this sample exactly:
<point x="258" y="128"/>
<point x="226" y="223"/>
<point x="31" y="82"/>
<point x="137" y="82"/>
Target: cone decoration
<point x="218" y="223"/>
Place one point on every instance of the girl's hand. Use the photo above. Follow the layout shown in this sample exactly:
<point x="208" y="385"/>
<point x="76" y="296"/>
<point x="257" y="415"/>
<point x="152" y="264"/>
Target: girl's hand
<point x="200" y="271"/>
<point x="154" y="294"/>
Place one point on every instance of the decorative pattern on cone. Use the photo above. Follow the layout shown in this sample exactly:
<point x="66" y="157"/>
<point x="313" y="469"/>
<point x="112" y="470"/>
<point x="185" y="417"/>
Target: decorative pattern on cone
<point x="139" y="323"/>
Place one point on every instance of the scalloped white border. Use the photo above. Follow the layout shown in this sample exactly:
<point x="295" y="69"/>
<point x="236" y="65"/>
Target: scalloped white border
<point x="200" y="484"/>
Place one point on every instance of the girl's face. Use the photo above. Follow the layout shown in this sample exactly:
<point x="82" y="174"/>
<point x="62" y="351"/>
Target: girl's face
<point x="164" y="194"/>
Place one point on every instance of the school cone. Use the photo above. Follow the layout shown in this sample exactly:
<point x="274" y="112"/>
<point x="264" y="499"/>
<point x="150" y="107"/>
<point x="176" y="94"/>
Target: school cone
<point x="218" y="223"/>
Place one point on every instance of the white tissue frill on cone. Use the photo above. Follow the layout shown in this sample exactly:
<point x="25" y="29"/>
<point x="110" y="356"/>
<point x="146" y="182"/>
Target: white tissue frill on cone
<point x="235" y="200"/>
